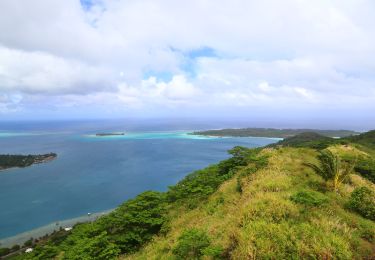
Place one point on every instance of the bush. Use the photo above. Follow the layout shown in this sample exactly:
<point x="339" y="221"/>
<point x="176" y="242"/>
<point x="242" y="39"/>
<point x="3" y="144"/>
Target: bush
<point x="192" y="244"/>
<point x="216" y="252"/>
<point x="15" y="248"/>
<point x="29" y="242"/>
<point x="135" y="221"/>
<point x="197" y="185"/>
<point x="362" y="201"/>
<point x="39" y="252"/>
<point x="367" y="234"/>
<point x="366" y="168"/>
<point x="98" y="247"/>
<point x="4" y="251"/>
<point x="309" y="198"/>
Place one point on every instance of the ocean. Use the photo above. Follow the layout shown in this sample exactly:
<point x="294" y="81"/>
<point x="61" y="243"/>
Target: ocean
<point x="94" y="174"/>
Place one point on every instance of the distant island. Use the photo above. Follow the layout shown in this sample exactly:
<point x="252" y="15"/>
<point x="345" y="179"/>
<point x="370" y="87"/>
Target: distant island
<point x="11" y="161"/>
<point x="109" y="134"/>
<point x="272" y="132"/>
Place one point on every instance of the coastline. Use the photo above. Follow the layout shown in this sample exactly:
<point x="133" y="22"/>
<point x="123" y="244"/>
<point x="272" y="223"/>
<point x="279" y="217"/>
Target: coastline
<point x="47" y="159"/>
<point x="36" y="233"/>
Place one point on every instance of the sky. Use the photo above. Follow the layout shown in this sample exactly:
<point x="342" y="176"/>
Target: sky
<point x="290" y="59"/>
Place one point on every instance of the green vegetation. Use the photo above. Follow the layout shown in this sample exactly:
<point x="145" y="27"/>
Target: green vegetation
<point x="366" y="139"/>
<point x="362" y="200"/>
<point x="309" y="198"/>
<point x="10" y="161"/>
<point x="273" y="133"/>
<point x="191" y="244"/>
<point x="331" y="168"/>
<point x="270" y="203"/>
<point x="4" y="251"/>
<point x="308" y="139"/>
<point x="366" y="168"/>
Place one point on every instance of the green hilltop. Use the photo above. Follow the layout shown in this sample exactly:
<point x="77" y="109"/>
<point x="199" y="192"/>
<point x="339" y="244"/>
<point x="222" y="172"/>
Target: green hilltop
<point x="306" y="197"/>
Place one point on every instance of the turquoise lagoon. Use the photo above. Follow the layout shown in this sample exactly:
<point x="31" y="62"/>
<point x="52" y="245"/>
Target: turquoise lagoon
<point x="96" y="173"/>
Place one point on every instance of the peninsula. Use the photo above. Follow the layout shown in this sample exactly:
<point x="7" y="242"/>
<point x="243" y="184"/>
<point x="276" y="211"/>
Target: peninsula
<point x="272" y="132"/>
<point x="20" y="161"/>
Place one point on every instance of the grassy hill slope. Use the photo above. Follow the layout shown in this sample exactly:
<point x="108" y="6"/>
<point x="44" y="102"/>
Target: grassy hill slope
<point x="283" y="211"/>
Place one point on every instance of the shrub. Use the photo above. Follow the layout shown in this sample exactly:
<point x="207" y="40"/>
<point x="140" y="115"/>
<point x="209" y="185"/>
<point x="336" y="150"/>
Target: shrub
<point x="216" y="252"/>
<point x="362" y="201"/>
<point x="135" y="221"/>
<point x="309" y="198"/>
<point x="4" y="251"/>
<point x="45" y="252"/>
<point x="29" y="242"/>
<point x="192" y="244"/>
<point x="367" y="234"/>
<point x="197" y="185"/>
<point x="366" y="168"/>
<point x="97" y="247"/>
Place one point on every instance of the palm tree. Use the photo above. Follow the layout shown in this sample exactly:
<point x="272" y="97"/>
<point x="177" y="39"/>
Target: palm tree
<point x="330" y="167"/>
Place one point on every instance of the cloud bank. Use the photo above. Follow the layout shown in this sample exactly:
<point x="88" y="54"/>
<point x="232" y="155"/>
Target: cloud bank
<point x="114" y="58"/>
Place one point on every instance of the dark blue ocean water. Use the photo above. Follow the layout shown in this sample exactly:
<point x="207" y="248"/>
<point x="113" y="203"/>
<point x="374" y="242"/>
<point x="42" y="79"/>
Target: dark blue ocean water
<point x="93" y="174"/>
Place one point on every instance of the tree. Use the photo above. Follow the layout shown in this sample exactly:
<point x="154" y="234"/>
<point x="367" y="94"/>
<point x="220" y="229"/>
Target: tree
<point x="331" y="168"/>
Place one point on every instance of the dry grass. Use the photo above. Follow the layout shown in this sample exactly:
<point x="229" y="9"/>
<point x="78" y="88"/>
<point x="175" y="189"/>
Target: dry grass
<point x="262" y="222"/>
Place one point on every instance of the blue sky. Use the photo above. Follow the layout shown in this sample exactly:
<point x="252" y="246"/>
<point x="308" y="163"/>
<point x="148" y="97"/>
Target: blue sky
<point x="292" y="60"/>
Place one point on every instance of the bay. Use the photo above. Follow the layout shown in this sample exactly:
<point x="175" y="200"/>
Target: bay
<point x="94" y="174"/>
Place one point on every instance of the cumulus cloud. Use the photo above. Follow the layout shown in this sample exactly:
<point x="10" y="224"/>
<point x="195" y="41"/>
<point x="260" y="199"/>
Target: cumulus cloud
<point x="39" y="72"/>
<point x="113" y="55"/>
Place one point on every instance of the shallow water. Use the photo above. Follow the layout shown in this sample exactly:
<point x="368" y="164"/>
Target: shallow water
<point x="93" y="174"/>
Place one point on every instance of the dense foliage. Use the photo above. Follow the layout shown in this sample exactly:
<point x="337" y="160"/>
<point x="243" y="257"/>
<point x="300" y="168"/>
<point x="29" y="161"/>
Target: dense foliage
<point x="362" y="201"/>
<point x="200" y="184"/>
<point x="122" y="231"/>
<point x="136" y="221"/>
<point x="9" y="161"/>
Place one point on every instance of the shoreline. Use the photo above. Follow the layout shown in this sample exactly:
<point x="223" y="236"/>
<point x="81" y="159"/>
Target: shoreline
<point x="45" y="159"/>
<point x="36" y="233"/>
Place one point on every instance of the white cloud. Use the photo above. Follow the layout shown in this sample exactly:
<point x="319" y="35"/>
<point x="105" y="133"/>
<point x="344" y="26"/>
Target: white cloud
<point x="39" y="72"/>
<point x="269" y="54"/>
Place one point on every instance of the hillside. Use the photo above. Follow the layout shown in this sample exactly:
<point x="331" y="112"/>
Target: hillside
<point x="366" y="139"/>
<point x="259" y="204"/>
<point x="272" y="132"/>
<point x="282" y="211"/>
<point x="307" y="139"/>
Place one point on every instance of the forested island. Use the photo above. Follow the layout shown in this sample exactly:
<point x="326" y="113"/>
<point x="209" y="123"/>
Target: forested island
<point x="109" y="134"/>
<point x="21" y="161"/>
<point x="272" y="132"/>
<point x="305" y="197"/>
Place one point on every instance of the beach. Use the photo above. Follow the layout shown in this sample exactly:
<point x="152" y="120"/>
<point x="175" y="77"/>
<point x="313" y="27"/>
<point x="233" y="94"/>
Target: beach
<point x="21" y="238"/>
